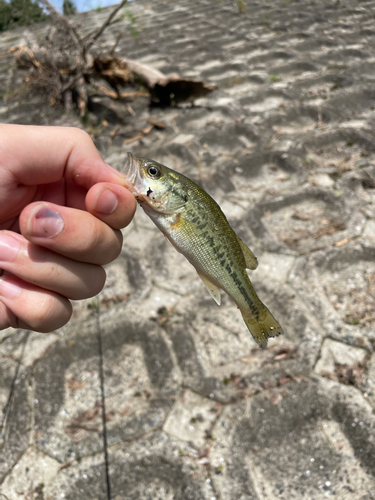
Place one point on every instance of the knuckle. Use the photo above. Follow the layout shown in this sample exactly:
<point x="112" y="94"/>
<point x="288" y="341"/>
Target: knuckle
<point x="80" y="134"/>
<point x="115" y="248"/>
<point x="99" y="282"/>
<point x="103" y="243"/>
<point x="91" y="286"/>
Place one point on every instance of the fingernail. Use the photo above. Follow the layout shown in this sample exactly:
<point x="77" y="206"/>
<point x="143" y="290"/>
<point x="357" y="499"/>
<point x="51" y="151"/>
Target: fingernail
<point x="45" y="223"/>
<point x="8" y="248"/>
<point x="105" y="202"/>
<point x="8" y="290"/>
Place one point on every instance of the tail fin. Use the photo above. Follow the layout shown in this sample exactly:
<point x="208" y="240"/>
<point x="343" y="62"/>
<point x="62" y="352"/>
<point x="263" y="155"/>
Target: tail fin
<point x="262" y="328"/>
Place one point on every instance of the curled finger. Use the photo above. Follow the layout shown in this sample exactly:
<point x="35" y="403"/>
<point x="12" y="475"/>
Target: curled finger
<point x="46" y="269"/>
<point x="30" y="307"/>
<point x="76" y="234"/>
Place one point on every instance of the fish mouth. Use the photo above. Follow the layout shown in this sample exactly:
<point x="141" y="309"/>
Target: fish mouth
<point x="130" y="170"/>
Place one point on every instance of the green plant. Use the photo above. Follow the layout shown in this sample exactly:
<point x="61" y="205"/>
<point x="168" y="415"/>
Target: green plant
<point x="69" y="8"/>
<point x="20" y="13"/>
<point x="242" y="7"/>
<point x="129" y="16"/>
<point x="274" y="78"/>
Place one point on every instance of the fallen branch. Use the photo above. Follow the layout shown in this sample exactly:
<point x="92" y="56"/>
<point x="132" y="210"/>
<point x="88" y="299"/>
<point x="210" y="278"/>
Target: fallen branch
<point x="168" y="89"/>
<point x="65" y="71"/>
<point x="164" y="89"/>
<point x="109" y="93"/>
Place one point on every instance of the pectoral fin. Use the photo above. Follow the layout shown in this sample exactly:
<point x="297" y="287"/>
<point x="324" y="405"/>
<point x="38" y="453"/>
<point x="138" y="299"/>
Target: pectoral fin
<point x="213" y="289"/>
<point x="251" y="260"/>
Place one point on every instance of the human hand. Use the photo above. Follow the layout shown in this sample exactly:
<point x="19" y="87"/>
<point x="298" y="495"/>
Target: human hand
<point x="61" y="208"/>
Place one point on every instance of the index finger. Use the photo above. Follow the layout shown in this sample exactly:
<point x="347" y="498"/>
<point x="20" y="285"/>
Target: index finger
<point x="35" y="155"/>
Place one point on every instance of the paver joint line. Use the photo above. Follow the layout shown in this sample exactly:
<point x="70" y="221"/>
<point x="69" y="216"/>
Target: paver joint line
<point x="8" y="404"/>
<point x="102" y="394"/>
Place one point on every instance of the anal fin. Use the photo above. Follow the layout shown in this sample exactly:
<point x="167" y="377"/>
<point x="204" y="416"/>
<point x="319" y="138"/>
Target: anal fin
<point x="213" y="289"/>
<point x="251" y="260"/>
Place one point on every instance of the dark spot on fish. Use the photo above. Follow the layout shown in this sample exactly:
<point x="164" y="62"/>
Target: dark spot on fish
<point x="237" y="281"/>
<point x="210" y="241"/>
<point x="149" y="191"/>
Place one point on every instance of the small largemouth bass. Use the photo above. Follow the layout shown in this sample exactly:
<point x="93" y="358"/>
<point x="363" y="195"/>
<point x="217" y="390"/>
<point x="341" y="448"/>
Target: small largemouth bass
<point x="195" y="225"/>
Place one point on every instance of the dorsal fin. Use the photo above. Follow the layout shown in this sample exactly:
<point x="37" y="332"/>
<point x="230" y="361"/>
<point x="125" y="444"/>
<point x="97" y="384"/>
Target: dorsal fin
<point x="251" y="260"/>
<point x="213" y="289"/>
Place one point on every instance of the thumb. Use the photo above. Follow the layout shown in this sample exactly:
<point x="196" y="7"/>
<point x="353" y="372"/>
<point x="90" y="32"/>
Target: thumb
<point x="41" y="155"/>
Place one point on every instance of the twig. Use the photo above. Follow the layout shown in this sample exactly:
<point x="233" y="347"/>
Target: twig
<point x="135" y="93"/>
<point x="64" y="21"/>
<point x="131" y="110"/>
<point x="82" y="96"/>
<point x="93" y="38"/>
<point x="118" y="38"/>
<point x="71" y="83"/>
<point x="140" y="135"/>
<point x="366" y="319"/>
<point x="109" y="93"/>
<point x="156" y="123"/>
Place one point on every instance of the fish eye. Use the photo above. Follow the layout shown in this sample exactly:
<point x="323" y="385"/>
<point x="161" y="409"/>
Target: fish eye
<point x="154" y="171"/>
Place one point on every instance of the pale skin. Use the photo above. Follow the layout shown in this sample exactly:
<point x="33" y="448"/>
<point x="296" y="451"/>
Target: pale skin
<point x="61" y="210"/>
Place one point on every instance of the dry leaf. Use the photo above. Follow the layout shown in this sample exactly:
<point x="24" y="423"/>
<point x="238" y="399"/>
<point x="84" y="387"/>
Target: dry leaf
<point x="74" y="384"/>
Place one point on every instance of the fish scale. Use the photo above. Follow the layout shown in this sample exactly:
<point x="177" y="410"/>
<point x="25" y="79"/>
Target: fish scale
<point x="196" y="226"/>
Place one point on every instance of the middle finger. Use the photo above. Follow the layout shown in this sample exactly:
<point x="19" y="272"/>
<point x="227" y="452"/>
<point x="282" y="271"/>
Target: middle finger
<point x="76" y="234"/>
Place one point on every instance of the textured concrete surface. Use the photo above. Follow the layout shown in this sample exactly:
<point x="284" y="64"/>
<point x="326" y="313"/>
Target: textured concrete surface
<point x="193" y="409"/>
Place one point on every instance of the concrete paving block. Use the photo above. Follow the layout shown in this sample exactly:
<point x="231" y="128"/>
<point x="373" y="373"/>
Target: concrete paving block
<point x="12" y="342"/>
<point x="274" y="266"/>
<point x="191" y="418"/>
<point x="369" y="230"/>
<point x="85" y="479"/>
<point x="141" y="381"/>
<point x="159" y="466"/>
<point x="8" y="370"/>
<point x="336" y="285"/>
<point x="336" y="352"/>
<point x="16" y="416"/>
<point x="28" y="478"/>
<point x="67" y="397"/>
<point x="305" y="440"/>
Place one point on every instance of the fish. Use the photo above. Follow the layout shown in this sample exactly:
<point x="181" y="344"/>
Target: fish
<point x="196" y="226"/>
